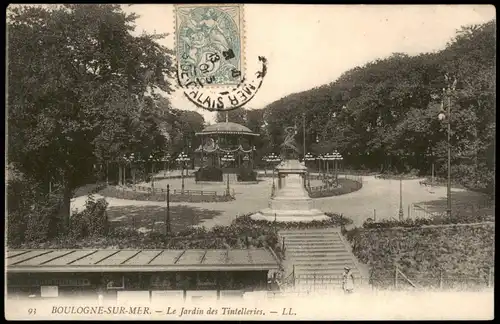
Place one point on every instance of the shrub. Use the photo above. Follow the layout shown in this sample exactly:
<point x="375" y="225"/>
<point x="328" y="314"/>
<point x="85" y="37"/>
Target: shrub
<point x="333" y="221"/>
<point x="420" y="252"/>
<point x="436" y="220"/>
<point x="246" y="174"/>
<point x="32" y="213"/>
<point x="92" y="221"/>
<point x="209" y="174"/>
<point x="244" y="232"/>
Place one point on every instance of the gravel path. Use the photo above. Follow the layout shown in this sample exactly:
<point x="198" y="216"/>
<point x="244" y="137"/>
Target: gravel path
<point x="376" y="194"/>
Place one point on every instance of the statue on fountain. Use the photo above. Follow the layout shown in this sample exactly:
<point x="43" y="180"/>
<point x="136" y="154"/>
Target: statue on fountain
<point x="289" y="150"/>
<point x="291" y="203"/>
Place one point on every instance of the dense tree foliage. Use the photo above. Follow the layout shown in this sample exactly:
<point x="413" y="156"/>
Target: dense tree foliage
<point x="82" y="90"/>
<point x="383" y="116"/>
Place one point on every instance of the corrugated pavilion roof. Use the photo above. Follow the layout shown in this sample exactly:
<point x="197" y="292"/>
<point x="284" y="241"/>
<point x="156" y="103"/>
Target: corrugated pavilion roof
<point x="115" y="260"/>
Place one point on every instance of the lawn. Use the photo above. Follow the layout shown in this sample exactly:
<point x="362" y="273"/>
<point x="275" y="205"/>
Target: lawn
<point x="464" y="203"/>
<point x="152" y="218"/>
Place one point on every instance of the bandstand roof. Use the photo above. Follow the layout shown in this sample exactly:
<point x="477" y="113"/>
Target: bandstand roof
<point x="226" y="128"/>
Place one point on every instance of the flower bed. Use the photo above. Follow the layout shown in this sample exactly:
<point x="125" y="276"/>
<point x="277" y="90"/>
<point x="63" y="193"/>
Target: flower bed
<point x="421" y="252"/>
<point x="436" y="220"/>
<point x="345" y="186"/>
<point x="335" y="220"/>
<point x="150" y="196"/>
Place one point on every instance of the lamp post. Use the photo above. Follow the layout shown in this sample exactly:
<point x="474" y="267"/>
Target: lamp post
<point x="336" y="156"/>
<point x="321" y="170"/>
<point x="272" y="159"/>
<point x="167" y="220"/>
<point x="328" y="157"/>
<point x="165" y="160"/>
<point x="401" y="212"/>
<point x="228" y="158"/>
<point x="319" y="159"/>
<point x="107" y="173"/>
<point x="182" y="158"/>
<point x="151" y="158"/>
<point x="304" y="132"/>
<point x="309" y="157"/>
<point x="132" y="166"/>
<point x="447" y="93"/>
<point x="128" y="161"/>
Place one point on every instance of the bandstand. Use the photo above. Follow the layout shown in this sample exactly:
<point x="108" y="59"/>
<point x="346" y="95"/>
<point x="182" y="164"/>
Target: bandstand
<point x="224" y="139"/>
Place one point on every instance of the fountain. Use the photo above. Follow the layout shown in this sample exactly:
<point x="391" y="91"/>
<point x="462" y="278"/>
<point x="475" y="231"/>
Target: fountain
<point x="291" y="203"/>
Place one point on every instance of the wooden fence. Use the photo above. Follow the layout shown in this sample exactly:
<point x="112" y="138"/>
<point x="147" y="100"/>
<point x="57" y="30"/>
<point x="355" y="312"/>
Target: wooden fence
<point x="397" y="281"/>
<point x="185" y="192"/>
<point x="483" y="208"/>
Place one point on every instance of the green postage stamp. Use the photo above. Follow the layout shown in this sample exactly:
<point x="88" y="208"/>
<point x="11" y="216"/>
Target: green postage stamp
<point x="209" y="43"/>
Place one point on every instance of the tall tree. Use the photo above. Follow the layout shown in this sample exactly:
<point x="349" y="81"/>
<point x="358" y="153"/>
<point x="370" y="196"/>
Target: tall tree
<point x="81" y="90"/>
<point x="237" y="116"/>
<point x="385" y="112"/>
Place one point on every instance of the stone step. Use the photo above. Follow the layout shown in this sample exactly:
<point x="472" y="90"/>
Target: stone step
<point x="313" y="255"/>
<point x="313" y="251"/>
<point x="309" y="232"/>
<point x="303" y="237"/>
<point x="319" y="260"/>
<point x="323" y="263"/>
<point x="333" y="267"/>
<point x="333" y="264"/>
<point x="312" y="240"/>
<point x="318" y="242"/>
<point x="314" y="245"/>
<point x="318" y="257"/>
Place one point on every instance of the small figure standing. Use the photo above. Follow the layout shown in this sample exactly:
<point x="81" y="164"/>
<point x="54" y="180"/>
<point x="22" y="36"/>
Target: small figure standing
<point x="347" y="281"/>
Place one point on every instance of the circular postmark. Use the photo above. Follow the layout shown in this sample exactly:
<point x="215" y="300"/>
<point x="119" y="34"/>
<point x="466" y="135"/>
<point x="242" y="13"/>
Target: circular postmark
<point x="203" y="91"/>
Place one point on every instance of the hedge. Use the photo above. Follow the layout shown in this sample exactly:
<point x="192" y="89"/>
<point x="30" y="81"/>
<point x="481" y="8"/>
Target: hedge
<point x="209" y="174"/>
<point x="346" y="186"/>
<point x="436" y="220"/>
<point x="246" y="174"/>
<point x="244" y="232"/>
<point x="421" y="252"/>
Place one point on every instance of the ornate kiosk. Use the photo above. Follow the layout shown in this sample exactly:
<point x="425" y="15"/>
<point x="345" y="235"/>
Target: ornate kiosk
<point x="225" y="146"/>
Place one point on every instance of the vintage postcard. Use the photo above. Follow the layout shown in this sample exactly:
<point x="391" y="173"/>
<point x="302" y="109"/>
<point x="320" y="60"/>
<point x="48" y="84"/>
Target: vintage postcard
<point x="250" y="162"/>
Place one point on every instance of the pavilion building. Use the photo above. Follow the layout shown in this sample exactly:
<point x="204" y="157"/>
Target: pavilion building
<point x="226" y="145"/>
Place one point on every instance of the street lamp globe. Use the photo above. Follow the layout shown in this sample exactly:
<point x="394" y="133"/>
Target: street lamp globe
<point x="441" y="116"/>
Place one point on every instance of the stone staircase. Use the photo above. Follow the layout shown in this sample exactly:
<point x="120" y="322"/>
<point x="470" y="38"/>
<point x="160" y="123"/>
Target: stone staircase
<point x="316" y="259"/>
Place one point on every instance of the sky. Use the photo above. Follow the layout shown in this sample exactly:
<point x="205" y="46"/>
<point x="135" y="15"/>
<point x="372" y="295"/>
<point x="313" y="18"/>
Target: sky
<point x="310" y="45"/>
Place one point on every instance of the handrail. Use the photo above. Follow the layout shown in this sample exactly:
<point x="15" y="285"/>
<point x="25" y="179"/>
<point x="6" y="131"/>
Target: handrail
<point x="405" y="277"/>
